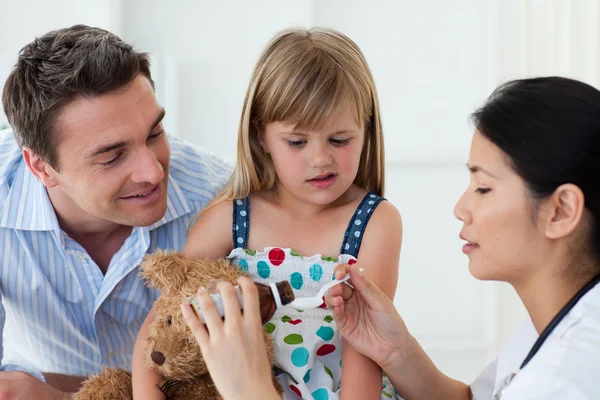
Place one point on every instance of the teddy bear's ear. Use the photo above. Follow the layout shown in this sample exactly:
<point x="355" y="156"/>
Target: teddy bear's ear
<point x="163" y="270"/>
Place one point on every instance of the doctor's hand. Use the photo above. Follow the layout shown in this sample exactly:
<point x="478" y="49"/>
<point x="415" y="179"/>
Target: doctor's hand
<point x="367" y="319"/>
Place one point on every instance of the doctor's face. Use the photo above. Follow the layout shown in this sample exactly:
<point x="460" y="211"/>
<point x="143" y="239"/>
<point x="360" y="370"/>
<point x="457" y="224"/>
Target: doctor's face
<point x="502" y="238"/>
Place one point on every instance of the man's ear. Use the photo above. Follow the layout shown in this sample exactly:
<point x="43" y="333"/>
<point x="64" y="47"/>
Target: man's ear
<point x="565" y="211"/>
<point x="40" y="168"/>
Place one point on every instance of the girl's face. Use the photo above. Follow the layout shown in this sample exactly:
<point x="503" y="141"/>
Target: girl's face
<point x="316" y="167"/>
<point x="503" y="239"/>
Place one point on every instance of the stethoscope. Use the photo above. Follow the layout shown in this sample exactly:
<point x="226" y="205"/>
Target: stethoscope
<point x="546" y="332"/>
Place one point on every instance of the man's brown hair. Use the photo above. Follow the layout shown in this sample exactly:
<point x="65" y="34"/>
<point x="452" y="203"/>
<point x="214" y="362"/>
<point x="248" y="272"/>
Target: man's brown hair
<point x="57" y="68"/>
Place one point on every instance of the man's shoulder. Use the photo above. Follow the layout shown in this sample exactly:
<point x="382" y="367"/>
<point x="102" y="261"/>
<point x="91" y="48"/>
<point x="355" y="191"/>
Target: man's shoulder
<point x="10" y="158"/>
<point x="199" y="173"/>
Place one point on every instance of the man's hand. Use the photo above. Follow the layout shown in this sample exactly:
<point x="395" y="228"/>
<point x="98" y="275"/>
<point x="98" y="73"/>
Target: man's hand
<point x="22" y="386"/>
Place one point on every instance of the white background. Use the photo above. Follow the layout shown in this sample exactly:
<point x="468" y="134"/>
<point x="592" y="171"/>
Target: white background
<point x="433" y="61"/>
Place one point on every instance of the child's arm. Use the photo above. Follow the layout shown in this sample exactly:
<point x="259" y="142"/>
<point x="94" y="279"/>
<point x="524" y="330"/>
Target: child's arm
<point x="210" y="237"/>
<point x="145" y="381"/>
<point x="379" y="255"/>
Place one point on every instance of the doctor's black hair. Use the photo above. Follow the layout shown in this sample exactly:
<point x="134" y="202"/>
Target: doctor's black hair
<point x="549" y="128"/>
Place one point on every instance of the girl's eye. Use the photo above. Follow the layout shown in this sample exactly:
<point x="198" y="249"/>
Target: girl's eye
<point x="339" y="142"/>
<point x="296" y="144"/>
<point x="482" y="190"/>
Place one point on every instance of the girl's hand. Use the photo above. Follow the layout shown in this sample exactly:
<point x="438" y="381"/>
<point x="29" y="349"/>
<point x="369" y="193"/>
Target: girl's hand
<point x="234" y="348"/>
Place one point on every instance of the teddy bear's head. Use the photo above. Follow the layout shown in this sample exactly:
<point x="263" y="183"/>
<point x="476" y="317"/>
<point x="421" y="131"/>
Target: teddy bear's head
<point x="171" y="347"/>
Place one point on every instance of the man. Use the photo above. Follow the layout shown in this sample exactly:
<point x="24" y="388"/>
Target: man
<point x="89" y="183"/>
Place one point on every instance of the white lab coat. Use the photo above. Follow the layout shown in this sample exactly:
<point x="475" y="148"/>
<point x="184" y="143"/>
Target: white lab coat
<point x="566" y="367"/>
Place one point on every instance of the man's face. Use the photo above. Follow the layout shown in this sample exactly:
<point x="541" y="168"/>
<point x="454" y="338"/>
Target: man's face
<point x="113" y="157"/>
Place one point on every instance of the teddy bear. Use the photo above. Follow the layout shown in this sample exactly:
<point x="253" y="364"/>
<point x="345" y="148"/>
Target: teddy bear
<point x="170" y="347"/>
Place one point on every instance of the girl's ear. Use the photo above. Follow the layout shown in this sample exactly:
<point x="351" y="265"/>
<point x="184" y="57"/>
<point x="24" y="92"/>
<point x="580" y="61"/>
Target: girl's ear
<point x="261" y="136"/>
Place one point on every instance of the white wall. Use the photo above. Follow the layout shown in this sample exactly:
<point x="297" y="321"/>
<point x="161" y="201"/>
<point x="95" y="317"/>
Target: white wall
<point x="23" y="20"/>
<point x="209" y="49"/>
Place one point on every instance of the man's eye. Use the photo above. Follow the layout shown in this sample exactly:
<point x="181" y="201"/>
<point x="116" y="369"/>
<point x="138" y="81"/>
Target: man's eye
<point x="111" y="161"/>
<point x="156" y="135"/>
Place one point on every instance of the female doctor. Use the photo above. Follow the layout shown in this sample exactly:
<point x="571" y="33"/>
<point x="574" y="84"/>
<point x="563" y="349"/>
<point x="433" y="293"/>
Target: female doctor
<point x="531" y="217"/>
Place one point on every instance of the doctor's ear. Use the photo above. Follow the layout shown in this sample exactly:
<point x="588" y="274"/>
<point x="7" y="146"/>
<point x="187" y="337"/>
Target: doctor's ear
<point x="565" y="209"/>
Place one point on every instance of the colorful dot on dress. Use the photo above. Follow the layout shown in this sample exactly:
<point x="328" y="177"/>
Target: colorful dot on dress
<point x="270" y="327"/>
<point x="351" y="261"/>
<point x="325" y="333"/>
<point x="320" y="394"/>
<point x="307" y="376"/>
<point x="296" y="390"/>
<point x="300" y="357"/>
<point x="296" y="280"/>
<point x="325" y="349"/>
<point x="323" y="304"/>
<point x="276" y="256"/>
<point x="316" y="272"/>
<point x="293" y="339"/>
<point x="243" y="265"/>
<point x="264" y="271"/>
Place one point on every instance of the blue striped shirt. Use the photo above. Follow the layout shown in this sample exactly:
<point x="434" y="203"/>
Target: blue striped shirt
<point x="58" y="312"/>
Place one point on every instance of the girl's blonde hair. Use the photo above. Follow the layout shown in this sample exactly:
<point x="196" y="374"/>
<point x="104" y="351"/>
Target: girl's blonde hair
<point x="305" y="77"/>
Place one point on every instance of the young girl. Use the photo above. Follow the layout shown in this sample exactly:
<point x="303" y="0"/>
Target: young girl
<point x="305" y="196"/>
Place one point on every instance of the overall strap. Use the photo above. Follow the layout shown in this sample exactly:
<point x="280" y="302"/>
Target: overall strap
<point x="241" y="222"/>
<point x="358" y="224"/>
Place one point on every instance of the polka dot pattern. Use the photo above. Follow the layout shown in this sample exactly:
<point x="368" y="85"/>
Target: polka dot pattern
<point x="307" y="343"/>
<point x="306" y="378"/>
<point x="358" y="224"/>
<point x="263" y="269"/>
<point x="325" y="349"/>
<point x="326" y="333"/>
<point x="320" y="394"/>
<point x="316" y="272"/>
<point x="276" y="256"/>
<point x="296" y="390"/>
<point x="300" y="357"/>
<point x="296" y="280"/>
<point x="243" y="264"/>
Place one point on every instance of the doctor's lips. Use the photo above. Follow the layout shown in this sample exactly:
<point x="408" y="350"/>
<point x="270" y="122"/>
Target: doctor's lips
<point x="469" y="246"/>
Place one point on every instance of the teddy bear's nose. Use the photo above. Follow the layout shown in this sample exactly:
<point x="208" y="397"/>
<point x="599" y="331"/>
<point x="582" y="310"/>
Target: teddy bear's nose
<point x="157" y="357"/>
